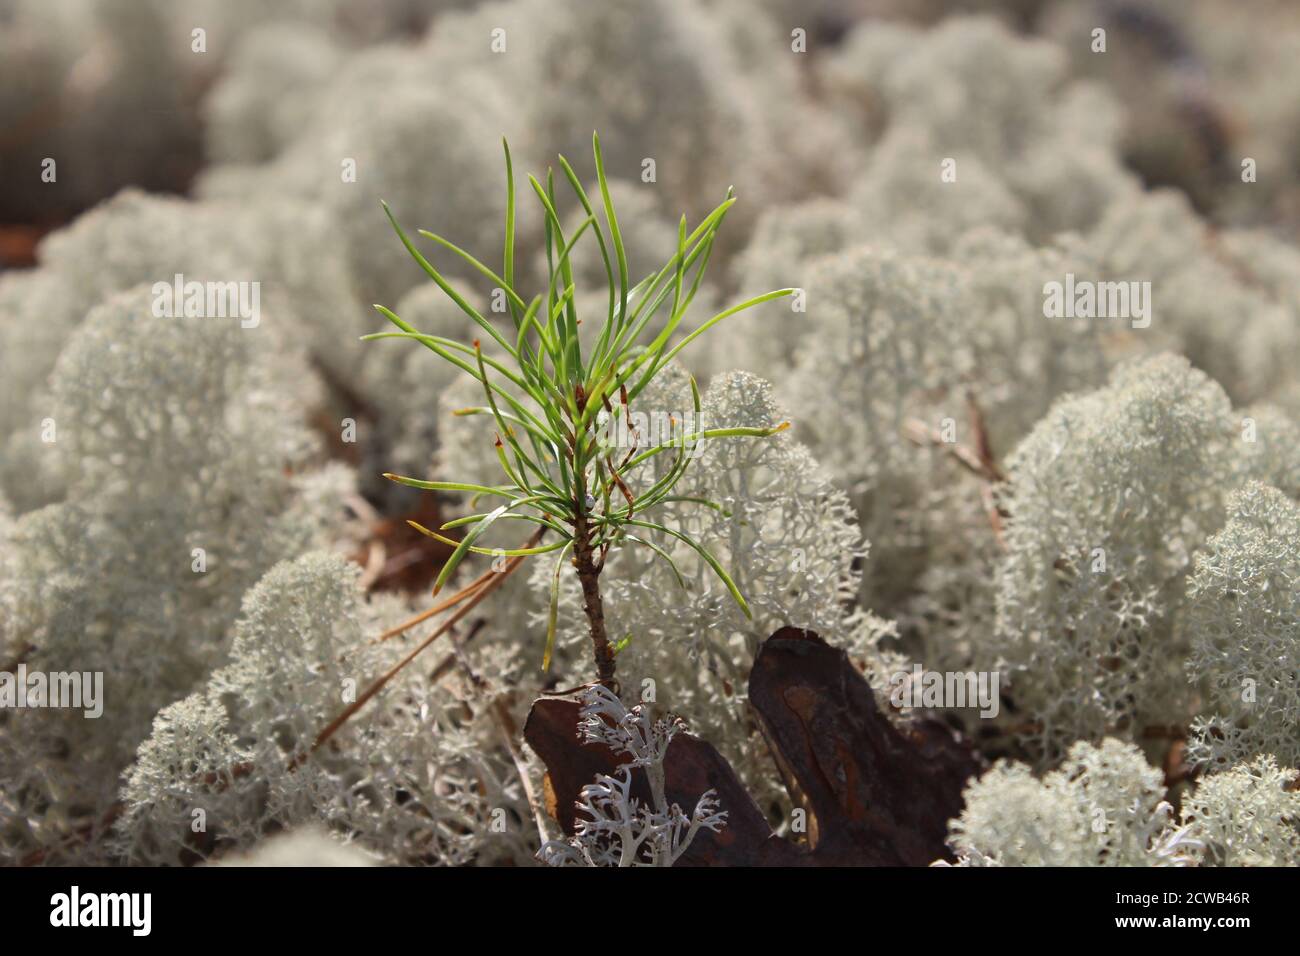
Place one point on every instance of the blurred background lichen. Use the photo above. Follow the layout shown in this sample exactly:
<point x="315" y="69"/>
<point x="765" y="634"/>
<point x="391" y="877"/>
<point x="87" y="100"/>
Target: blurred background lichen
<point x="192" y="505"/>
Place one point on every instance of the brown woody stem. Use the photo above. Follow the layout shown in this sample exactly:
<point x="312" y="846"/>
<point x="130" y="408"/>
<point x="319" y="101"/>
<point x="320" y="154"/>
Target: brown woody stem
<point x="584" y="560"/>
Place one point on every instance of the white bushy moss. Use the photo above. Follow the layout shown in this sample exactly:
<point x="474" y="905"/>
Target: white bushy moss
<point x="189" y="750"/>
<point x="37" y="313"/>
<point x="1269" y="347"/>
<point x="1244" y="621"/>
<point x="133" y="406"/>
<point x="654" y="77"/>
<point x="1267" y="448"/>
<point x="306" y="291"/>
<point x="314" y="298"/>
<point x="418" y="775"/>
<point x="880" y="329"/>
<point x="786" y="241"/>
<point x="305" y="846"/>
<point x="788" y="533"/>
<point x="854" y="72"/>
<point x="353" y="155"/>
<point x="1074" y="172"/>
<point x="405" y="382"/>
<point x="948" y="606"/>
<point x="890" y="338"/>
<point x="1203" y="88"/>
<point x="229" y="21"/>
<point x="1032" y="151"/>
<point x="1103" y="807"/>
<point x="943" y="548"/>
<point x="454" y="191"/>
<point x="783" y="83"/>
<point x="136" y="238"/>
<point x="987" y="319"/>
<point x="882" y="342"/>
<point x="1151" y="238"/>
<point x="268" y="92"/>
<point x="1022" y="360"/>
<point x="901" y="198"/>
<point x="1246" y="816"/>
<point x="172" y="435"/>
<point x="786" y="238"/>
<point x="1108" y="498"/>
<point x="1225" y="300"/>
<point x="986" y="89"/>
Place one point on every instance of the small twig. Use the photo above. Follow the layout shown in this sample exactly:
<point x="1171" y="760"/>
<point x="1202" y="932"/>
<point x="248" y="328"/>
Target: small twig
<point x="919" y="433"/>
<point x="979" y="460"/>
<point x="376" y="564"/>
<point x="1176" y="768"/>
<point x="458" y="644"/>
<point x="622" y="486"/>
<point x="400" y="562"/>
<point x="995" y="513"/>
<point x="506" y="726"/>
<point x="472" y="596"/>
<point x="447" y="663"/>
<point x="466" y="592"/>
<point x="983" y="447"/>
<point x="361" y="508"/>
<point x="572" y="690"/>
<point x="377" y="555"/>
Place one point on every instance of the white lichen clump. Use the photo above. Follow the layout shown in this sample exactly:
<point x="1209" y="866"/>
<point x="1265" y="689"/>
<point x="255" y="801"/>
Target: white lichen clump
<point x="1246" y="816"/>
<point x="185" y="481"/>
<point x="1244" y="618"/>
<point x="1105" y="806"/>
<point x="418" y="776"/>
<point x="615" y="828"/>
<point x="1108" y="498"/>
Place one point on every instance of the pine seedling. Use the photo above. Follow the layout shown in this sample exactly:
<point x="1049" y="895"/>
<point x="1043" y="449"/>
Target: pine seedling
<point x="576" y="459"/>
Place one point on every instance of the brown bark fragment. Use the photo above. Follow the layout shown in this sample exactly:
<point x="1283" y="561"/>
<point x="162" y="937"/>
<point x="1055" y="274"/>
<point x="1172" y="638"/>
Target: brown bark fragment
<point x="877" y="795"/>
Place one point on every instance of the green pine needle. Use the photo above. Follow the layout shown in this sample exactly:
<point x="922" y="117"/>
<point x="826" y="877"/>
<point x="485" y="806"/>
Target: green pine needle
<point x="546" y="397"/>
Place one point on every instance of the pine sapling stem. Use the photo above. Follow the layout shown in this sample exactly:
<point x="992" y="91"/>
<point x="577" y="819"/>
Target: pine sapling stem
<point x="589" y="575"/>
